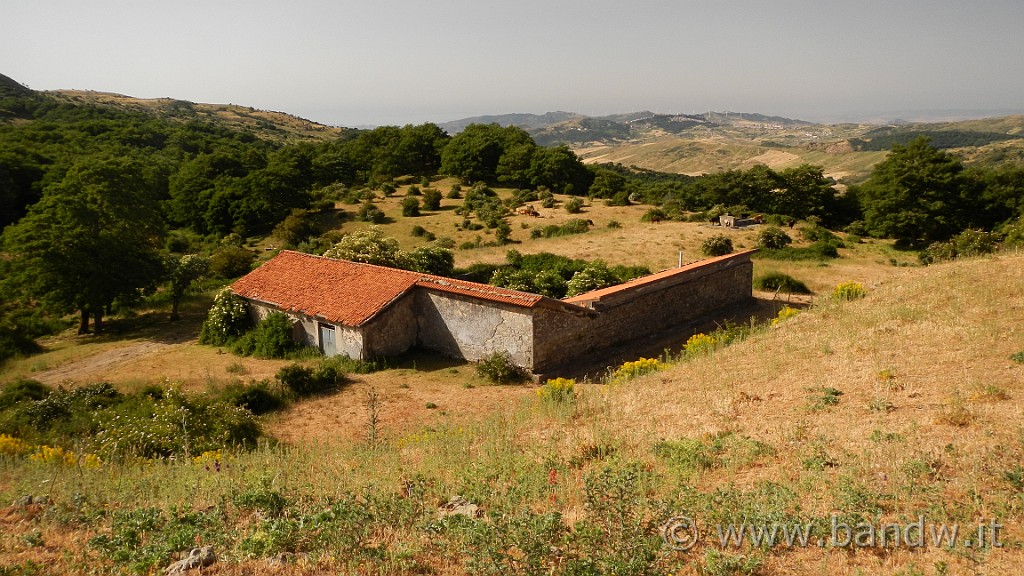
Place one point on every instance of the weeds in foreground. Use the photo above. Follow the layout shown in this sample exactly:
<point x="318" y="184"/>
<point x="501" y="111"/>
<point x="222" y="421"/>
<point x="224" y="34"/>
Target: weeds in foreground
<point x="955" y="412"/>
<point x="822" y="397"/>
<point x="558" y="391"/>
<point x="847" y="291"/>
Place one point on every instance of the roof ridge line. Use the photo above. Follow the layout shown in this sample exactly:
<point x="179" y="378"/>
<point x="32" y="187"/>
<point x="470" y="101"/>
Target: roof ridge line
<point x="480" y="287"/>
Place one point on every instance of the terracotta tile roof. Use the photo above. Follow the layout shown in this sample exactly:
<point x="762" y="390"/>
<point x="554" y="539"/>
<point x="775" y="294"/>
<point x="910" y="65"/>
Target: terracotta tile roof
<point x="352" y="293"/>
<point x="483" y="291"/>
<point x="582" y="299"/>
<point x="338" y="291"/>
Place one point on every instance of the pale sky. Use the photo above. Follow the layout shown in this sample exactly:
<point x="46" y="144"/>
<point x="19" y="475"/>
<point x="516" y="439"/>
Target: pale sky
<point x="350" y="63"/>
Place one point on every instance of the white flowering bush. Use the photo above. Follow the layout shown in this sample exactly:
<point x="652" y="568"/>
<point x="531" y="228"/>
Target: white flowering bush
<point x="370" y="246"/>
<point x="98" y="420"/>
<point x="172" y="424"/>
<point x="227" y="319"/>
<point x="594" y="276"/>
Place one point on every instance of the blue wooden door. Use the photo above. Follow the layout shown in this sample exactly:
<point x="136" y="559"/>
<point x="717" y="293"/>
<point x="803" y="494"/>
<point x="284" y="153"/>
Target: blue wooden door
<point x="328" y="345"/>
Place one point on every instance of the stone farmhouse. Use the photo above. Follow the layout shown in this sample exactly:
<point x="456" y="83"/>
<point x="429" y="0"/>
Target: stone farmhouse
<point x="366" y="311"/>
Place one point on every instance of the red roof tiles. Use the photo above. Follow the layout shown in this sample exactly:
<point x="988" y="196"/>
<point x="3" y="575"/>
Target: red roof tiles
<point x="338" y="291"/>
<point x="352" y="293"/>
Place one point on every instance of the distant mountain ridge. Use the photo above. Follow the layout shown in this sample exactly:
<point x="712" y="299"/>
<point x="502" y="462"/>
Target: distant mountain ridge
<point x="525" y="121"/>
<point x="681" y="143"/>
<point x="554" y="128"/>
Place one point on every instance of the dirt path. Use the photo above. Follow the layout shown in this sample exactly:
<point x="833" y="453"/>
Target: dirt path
<point x="95" y="366"/>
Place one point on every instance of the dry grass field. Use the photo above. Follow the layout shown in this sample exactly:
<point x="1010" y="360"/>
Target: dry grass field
<point x="902" y="405"/>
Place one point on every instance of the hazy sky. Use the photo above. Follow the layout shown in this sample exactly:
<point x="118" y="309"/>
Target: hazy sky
<point x="410" y="61"/>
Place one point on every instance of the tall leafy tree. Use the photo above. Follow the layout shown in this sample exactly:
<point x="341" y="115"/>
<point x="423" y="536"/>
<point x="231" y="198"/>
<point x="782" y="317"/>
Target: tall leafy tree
<point x="917" y="195"/>
<point x="475" y="153"/>
<point x="182" y="271"/>
<point x="91" y="239"/>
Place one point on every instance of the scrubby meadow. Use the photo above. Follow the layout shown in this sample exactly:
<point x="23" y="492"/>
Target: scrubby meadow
<point x="899" y="405"/>
<point x="863" y="418"/>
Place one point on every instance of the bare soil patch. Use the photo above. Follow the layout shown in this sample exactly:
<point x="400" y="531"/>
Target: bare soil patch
<point x="407" y="399"/>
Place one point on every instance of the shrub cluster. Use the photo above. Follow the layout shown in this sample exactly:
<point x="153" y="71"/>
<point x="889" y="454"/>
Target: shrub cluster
<point x="499" y="368"/>
<point x="305" y="381"/>
<point x="965" y="244"/>
<point x="410" y="206"/>
<point x="772" y="238"/>
<point x="271" y="338"/>
<point x="820" y="250"/>
<point x="553" y="275"/>
<point x="779" y="282"/>
<point x="97" y="419"/>
<point x="718" y="245"/>
<point x="572" y="226"/>
<point x="574" y="205"/>
<point x="369" y="212"/>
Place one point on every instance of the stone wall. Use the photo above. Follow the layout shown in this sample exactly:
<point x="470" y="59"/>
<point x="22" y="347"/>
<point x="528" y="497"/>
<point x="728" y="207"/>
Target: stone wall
<point x="393" y="331"/>
<point x="642" y="311"/>
<point x="472" y="329"/>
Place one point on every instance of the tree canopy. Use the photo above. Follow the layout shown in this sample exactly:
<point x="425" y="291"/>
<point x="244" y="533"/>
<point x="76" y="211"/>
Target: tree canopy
<point x="917" y="195"/>
<point x="92" y="238"/>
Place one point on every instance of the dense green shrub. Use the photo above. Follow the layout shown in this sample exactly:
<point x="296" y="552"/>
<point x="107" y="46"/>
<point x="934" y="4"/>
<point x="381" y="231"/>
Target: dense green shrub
<point x="305" y="381"/>
<point x="572" y="226"/>
<point x="259" y="398"/>
<point x="1013" y="233"/>
<point x="431" y="199"/>
<point x="500" y="369"/>
<point x="821" y="250"/>
<point x="227" y="319"/>
<point x="22" y="390"/>
<point x="718" y="245"/>
<point x="296" y="228"/>
<point x="231" y="262"/>
<point x="779" y="282"/>
<point x="772" y="238"/>
<point x="369" y="212"/>
<point x="430" y="259"/>
<point x="503" y="233"/>
<point x="574" y="205"/>
<point x="173" y="425"/>
<point x="654" y="215"/>
<point x="271" y="338"/>
<point x="815" y="232"/>
<point x="964" y="245"/>
<point x="410" y="206"/>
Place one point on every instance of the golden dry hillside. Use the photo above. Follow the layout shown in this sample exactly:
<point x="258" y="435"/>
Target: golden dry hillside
<point x="895" y="411"/>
